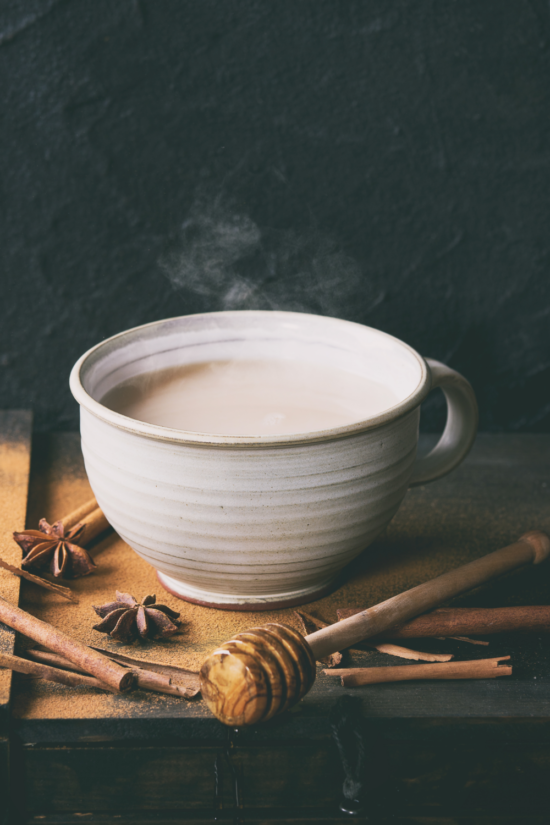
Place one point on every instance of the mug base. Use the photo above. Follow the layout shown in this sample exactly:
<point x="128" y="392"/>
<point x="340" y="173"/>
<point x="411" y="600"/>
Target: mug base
<point x="275" y="601"/>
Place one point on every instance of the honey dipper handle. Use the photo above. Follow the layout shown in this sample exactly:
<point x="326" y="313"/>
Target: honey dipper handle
<point x="531" y="547"/>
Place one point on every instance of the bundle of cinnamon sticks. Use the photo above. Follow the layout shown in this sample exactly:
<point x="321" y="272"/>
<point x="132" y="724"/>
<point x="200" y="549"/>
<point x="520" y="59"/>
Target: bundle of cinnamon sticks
<point x="70" y="662"/>
<point x="444" y="623"/>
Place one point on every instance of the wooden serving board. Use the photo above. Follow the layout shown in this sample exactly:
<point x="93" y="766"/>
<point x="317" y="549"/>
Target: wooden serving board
<point x="439" y="750"/>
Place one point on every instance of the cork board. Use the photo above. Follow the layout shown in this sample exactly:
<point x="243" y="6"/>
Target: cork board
<point x="15" y="453"/>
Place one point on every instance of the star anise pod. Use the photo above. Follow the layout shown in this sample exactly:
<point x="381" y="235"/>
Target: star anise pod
<point x="49" y="547"/>
<point x="126" y="619"/>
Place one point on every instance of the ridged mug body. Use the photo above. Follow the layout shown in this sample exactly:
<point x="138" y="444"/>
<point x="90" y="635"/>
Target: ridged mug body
<point x="238" y="526"/>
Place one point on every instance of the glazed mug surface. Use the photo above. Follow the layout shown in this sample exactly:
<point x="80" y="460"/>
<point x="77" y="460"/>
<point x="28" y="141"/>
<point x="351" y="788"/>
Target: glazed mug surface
<point x="245" y="522"/>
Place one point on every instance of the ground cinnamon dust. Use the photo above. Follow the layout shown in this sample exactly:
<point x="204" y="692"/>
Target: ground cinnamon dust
<point x="59" y="485"/>
<point x="14" y="480"/>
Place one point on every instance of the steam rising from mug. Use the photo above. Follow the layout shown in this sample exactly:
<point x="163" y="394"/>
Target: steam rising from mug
<point x="224" y="256"/>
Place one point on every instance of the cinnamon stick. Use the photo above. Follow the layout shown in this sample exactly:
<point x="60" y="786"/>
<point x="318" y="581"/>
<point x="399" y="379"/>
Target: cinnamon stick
<point x="91" y="516"/>
<point x="47" y="585"/>
<point x="406" y="653"/>
<point x="111" y="673"/>
<point x="477" y="669"/>
<point x="467" y="621"/>
<point x="79" y="515"/>
<point x="145" y="679"/>
<point x="466" y="639"/>
<point x="188" y="678"/>
<point x="94" y="524"/>
<point x="149" y="680"/>
<point x="51" y="674"/>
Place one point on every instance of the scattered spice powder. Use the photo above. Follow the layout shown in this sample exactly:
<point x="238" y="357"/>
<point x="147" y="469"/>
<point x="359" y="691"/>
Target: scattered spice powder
<point x="14" y="479"/>
<point x="59" y="485"/>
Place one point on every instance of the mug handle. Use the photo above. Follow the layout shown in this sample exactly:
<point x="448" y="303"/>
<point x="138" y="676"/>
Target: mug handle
<point x="460" y="430"/>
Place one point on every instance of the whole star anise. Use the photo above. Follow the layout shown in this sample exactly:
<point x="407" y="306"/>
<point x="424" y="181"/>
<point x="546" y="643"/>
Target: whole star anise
<point x="49" y="547"/>
<point x="126" y="619"/>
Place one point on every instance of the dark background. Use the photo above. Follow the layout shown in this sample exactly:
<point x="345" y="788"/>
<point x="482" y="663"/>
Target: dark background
<point x="383" y="161"/>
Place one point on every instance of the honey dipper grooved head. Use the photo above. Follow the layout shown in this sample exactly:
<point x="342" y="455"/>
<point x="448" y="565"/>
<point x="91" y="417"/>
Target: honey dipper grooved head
<point x="257" y="674"/>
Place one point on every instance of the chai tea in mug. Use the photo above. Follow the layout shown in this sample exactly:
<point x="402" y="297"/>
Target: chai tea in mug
<point x="250" y="397"/>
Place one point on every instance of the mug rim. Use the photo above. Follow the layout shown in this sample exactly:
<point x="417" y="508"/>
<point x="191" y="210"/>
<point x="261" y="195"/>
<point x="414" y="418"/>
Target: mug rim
<point x="170" y="435"/>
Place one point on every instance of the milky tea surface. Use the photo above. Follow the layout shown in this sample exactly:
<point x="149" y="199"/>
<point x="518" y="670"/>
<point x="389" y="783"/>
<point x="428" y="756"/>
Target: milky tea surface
<point x="250" y="397"/>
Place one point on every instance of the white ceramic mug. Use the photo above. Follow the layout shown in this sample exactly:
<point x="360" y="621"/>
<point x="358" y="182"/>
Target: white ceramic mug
<point x="246" y="522"/>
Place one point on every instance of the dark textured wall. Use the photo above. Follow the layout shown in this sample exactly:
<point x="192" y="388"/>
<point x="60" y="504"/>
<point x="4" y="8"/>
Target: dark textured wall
<point x="384" y="161"/>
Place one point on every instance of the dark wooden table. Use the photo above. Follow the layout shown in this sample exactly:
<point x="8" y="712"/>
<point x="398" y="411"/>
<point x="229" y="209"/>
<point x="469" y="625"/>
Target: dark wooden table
<point x="438" y="752"/>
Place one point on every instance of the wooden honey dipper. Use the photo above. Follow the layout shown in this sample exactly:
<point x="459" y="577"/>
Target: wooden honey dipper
<point x="266" y="670"/>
